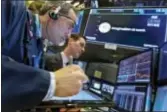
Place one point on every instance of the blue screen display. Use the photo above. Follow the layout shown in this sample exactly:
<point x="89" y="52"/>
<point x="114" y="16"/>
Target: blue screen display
<point x="77" y="26"/>
<point x="132" y="98"/>
<point x="133" y="27"/>
<point x="163" y="63"/>
<point x="135" y="69"/>
<point x="161" y="99"/>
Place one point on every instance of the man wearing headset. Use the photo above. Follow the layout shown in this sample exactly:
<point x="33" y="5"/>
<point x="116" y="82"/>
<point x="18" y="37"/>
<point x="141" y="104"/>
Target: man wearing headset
<point x="24" y="84"/>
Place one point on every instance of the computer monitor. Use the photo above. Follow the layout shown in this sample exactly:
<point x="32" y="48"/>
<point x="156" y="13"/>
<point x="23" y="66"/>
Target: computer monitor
<point x="162" y="77"/>
<point x="95" y="86"/>
<point x="129" y="27"/>
<point x="92" y="91"/>
<point x="78" y="23"/>
<point x="132" y="98"/>
<point x="161" y="99"/>
<point x="136" y="69"/>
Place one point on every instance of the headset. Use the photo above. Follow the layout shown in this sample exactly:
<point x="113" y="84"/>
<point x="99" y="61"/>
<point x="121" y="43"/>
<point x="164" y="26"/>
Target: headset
<point x="55" y="14"/>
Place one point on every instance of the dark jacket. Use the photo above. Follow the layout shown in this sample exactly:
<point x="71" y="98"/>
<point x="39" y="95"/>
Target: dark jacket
<point x="53" y="62"/>
<point x="22" y="86"/>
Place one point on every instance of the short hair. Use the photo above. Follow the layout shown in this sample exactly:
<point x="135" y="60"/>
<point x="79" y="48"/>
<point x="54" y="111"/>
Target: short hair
<point x="48" y="5"/>
<point x="76" y="37"/>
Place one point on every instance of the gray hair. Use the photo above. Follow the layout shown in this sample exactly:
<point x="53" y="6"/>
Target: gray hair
<point x="48" y="5"/>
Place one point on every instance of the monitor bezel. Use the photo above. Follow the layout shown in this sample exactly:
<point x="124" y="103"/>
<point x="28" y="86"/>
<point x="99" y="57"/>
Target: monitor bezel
<point x="160" y="82"/>
<point x="123" y="45"/>
<point x="145" y="97"/>
<point x="80" y="23"/>
<point x="151" y="68"/>
<point x="84" y="20"/>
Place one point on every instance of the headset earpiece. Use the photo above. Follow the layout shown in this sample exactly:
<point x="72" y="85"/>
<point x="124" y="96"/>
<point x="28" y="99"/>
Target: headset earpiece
<point x="54" y="14"/>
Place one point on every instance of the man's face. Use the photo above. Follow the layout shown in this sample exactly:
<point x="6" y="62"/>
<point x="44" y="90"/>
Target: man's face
<point x="77" y="47"/>
<point x="61" y="29"/>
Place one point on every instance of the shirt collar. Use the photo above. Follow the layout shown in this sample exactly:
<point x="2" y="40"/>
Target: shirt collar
<point x="64" y="58"/>
<point x="38" y="31"/>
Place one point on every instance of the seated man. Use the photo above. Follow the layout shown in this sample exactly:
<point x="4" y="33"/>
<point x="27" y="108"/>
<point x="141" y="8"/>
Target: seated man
<point x="75" y="46"/>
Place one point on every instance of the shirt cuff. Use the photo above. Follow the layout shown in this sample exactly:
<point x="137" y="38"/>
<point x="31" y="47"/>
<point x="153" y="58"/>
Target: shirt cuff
<point x="51" y="89"/>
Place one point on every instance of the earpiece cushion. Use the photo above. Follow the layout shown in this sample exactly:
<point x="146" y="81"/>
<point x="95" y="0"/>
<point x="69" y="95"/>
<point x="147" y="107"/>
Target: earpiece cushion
<point x="53" y="15"/>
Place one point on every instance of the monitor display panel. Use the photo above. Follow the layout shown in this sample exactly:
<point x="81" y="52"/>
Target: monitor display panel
<point x="96" y="84"/>
<point x="136" y="69"/>
<point x="161" y="99"/>
<point x="78" y="23"/>
<point x="131" y="98"/>
<point x="108" y="88"/>
<point x="163" y="64"/>
<point x="132" y="27"/>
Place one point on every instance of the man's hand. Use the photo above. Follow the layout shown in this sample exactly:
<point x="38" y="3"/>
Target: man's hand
<point x="69" y="80"/>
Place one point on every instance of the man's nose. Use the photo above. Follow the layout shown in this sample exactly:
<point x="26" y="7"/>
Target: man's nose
<point x="83" y="49"/>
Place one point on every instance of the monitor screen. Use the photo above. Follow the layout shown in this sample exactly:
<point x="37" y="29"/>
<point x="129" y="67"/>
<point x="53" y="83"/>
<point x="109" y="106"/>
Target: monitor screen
<point x="96" y="84"/>
<point x="107" y="88"/>
<point x="130" y="98"/>
<point x="135" y="69"/>
<point x="78" y="23"/>
<point x="161" y="99"/>
<point x="163" y="63"/>
<point x="138" y="27"/>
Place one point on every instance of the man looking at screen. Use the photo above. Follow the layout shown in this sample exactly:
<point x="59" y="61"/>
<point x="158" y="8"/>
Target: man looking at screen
<point x="24" y="85"/>
<point x="74" y="48"/>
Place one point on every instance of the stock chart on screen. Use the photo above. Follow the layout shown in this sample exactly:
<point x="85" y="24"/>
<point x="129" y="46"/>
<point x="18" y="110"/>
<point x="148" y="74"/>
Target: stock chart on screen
<point x="135" y="69"/>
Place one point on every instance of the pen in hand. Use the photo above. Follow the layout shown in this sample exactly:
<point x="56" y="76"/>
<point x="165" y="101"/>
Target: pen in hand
<point x="70" y="60"/>
<point x="70" y="63"/>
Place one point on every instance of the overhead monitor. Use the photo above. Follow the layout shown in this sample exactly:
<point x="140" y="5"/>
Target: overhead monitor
<point x="132" y="98"/>
<point x="161" y="99"/>
<point x="136" y="69"/>
<point x="78" y="23"/>
<point x="130" y="27"/>
<point x="162" y="77"/>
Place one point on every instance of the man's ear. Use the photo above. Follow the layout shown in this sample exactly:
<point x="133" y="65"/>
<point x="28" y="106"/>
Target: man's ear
<point x="69" y="40"/>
